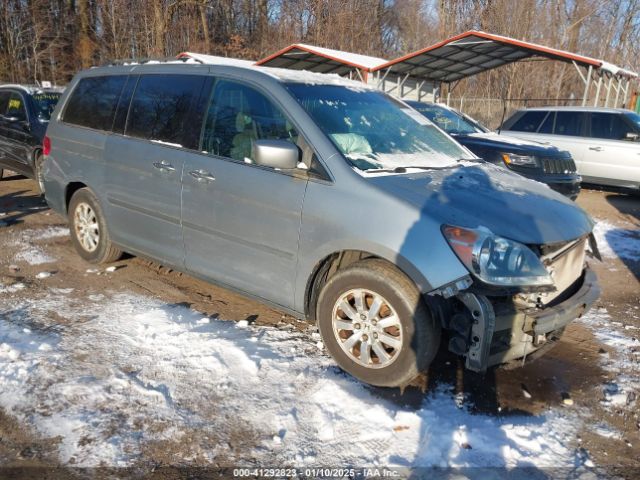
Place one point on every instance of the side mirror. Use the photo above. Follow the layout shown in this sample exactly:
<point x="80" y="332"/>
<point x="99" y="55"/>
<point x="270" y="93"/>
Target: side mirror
<point x="632" y="136"/>
<point x="276" y="154"/>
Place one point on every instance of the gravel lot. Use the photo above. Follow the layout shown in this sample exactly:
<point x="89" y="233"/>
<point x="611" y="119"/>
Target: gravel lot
<point x="140" y="368"/>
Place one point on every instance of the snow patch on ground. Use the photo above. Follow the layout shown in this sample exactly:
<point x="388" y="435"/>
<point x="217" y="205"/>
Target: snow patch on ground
<point x="31" y="253"/>
<point x="614" y="241"/>
<point x="624" y="390"/>
<point x="16" y="287"/>
<point x="126" y="372"/>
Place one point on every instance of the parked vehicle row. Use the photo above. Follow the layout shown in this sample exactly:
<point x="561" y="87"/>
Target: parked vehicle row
<point x="24" y="115"/>
<point x="534" y="160"/>
<point x="324" y="197"/>
<point x="604" y="142"/>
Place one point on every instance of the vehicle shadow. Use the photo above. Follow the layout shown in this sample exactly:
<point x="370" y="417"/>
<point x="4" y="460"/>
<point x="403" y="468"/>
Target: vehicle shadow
<point x="626" y="204"/>
<point x="464" y="197"/>
<point x="625" y="242"/>
<point x="16" y="205"/>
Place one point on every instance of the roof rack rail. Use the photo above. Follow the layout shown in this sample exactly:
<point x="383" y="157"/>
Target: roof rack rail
<point x="142" y="61"/>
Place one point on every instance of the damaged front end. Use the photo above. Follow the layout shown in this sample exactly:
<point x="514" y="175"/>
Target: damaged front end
<point x="513" y="307"/>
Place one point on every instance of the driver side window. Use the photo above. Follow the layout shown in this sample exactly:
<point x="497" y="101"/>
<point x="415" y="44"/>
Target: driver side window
<point x="237" y="116"/>
<point x="16" y="107"/>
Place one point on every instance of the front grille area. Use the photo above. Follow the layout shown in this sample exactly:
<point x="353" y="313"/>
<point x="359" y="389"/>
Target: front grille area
<point x="558" y="165"/>
<point x="566" y="268"/>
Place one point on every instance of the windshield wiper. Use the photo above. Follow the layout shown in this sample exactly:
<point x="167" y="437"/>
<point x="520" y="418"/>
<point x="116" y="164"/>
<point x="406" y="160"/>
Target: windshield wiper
<point x="404" y="169"/>
<point x="420" y="167"/>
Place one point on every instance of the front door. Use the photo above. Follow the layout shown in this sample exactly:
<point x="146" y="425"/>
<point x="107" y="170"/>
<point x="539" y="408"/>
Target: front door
<point x="566" y="130"/>
<point x="611" y="158"/>
<point x="16" y="135"/>
<point x="241" y="221"/>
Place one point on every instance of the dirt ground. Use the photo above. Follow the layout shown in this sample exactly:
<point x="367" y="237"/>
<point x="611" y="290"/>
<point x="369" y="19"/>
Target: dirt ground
<point x="572" y="369"/>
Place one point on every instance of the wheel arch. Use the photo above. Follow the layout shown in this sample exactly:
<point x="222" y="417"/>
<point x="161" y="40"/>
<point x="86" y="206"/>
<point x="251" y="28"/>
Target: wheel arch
<point x="34" y="154"/>
<point x="341" y="259"/>
<point x="70" y="189"/>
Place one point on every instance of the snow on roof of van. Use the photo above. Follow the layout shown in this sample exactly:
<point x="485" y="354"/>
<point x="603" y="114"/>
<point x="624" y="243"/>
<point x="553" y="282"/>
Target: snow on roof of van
<point x="214" y="60"/>
<point x="312" y="78"/>
<point x="282" y="74"/>
<point x="300" y="56"/>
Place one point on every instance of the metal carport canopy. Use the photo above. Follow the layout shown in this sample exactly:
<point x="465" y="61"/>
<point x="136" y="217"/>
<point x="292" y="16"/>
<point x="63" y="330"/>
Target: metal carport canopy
<point x="322" y="60"/>
<point x="474" y="52"/>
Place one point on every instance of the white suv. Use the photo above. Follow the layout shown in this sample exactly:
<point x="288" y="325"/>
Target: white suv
<point x="604" y="142"/>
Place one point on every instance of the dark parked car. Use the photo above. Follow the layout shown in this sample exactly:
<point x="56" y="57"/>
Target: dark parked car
<point x="24" y="116"/>
<point x="531" y="159"/>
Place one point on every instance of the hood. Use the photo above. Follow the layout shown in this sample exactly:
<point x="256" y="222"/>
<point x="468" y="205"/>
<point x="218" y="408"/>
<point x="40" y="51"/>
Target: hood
<point x="507" y="143"/>
<point x="482" y="194"/>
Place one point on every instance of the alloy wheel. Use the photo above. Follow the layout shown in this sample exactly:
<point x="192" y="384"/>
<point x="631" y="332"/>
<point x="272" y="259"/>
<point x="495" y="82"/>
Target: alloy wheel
<point x="86" y="226"/>
<point x="367" y="328"/>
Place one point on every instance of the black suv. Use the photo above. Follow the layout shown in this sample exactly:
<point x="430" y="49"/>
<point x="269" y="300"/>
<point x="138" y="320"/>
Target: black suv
<point x="24" y="115"/>
<point x="530" y="159"/>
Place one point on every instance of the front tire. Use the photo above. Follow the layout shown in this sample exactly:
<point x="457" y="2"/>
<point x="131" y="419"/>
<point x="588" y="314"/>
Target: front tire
<point x="89" y="233"/>
<point x="375" y="324"/>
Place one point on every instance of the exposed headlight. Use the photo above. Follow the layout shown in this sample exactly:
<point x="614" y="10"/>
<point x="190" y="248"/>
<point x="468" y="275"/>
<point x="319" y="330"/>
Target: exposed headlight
<point x="519" y="160"/>
<point x="496" y="260"/>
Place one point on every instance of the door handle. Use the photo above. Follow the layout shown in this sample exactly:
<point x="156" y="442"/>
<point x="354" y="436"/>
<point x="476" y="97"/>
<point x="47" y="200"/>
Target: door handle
<point x="202" y="175"/>
<point x="596" y="149"/>
<point x="167" y="167"/>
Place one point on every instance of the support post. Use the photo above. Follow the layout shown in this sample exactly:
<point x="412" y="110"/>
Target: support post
<point x="618" y="88"/>
<point x="627" y="82"/>
<point x="597" y="99"/>
<point x="609" y="83"/>
<point x="587" y="84"/>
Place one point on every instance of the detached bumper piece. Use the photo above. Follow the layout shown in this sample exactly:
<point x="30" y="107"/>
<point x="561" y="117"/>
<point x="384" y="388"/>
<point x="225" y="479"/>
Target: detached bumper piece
<point x="502" y="333"/>
<point x="553" y="318"/>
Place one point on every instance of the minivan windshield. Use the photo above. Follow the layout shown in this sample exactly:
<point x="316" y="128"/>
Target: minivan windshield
<point x="45" y="104"/>
<point x="448" y="120"/>
<point x="375" y="132"/>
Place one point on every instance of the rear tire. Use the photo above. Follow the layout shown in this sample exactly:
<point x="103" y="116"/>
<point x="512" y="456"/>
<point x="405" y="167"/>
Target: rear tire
<point x="375" y="324"/>
<point x="89" y="233"/>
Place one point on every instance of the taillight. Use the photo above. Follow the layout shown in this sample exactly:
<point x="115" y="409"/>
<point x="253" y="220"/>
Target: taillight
<point x="46" y="145"/>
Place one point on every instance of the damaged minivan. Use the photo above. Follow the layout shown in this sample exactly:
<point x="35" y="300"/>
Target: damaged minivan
<point x="326" y="198"/>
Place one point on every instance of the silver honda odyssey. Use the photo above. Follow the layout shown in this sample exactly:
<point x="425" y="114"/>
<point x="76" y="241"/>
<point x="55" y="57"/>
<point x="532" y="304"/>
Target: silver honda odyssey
<point x="326" y="198"/>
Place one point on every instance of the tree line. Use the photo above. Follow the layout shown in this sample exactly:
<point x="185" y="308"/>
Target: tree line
<point x="53" y="39"/>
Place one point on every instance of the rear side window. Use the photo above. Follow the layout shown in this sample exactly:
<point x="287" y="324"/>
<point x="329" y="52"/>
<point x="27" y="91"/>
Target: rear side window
<point x="529" y="121"/>
<point x="4" y="102"/>
<point x="569" y="123"/>
<point x="123" y="105"/>
<point x="547" y="125"/>
<point x="161" y="106"/>
<point x="93" y="102"/>
<point x="609" y="125"/>
<point x="16" y="107"/>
